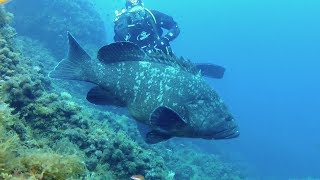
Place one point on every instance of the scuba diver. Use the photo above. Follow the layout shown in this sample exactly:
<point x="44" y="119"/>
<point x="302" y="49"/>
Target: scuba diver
<point x="144" y="27"/>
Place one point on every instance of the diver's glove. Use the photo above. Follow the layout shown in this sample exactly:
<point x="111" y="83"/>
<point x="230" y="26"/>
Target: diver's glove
<point x="162" y="43"/>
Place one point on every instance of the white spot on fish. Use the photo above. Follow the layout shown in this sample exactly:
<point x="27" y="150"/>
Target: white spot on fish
<point x="144" y="64"/>
<point x="150" y="81"/>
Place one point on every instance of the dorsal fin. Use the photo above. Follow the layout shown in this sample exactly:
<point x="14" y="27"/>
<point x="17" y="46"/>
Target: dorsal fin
<point x="128" y="51"/>
<point x="211" y="70"/>
<point x="120" y="51"/>
<point x="183" y="64"/>
<point x="166" y="119"/>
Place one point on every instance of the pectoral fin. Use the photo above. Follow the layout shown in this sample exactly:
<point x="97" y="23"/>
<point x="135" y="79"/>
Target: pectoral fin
<point x="143" y="129"/>
<point x="154" y="137"/>
<point x="100" y="96"/>
<point x="166" y="119"/>
<point x="151" y="136"/>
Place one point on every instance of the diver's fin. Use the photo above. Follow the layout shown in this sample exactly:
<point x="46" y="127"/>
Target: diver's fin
<point x="72" y="67"/>
<point x="211" y="70"/>
<point x="100" y="96"/>
<point x="166" y="119"/>
<point x="120" y="51"/>
<point x="154" y="137"/>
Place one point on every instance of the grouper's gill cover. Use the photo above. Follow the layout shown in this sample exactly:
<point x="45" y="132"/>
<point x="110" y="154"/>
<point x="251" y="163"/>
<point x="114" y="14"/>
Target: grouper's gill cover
<point x="165" y="93"/>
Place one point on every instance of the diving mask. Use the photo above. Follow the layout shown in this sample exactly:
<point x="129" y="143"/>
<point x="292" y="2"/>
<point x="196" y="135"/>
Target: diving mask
<point x="137" y="13"/>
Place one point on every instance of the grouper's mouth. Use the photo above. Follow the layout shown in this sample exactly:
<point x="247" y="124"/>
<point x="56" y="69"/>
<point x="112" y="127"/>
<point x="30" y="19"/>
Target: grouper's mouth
<point x="227" y="133"/>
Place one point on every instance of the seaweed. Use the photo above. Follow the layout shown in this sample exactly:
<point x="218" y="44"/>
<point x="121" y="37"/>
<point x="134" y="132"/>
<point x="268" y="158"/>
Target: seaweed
<point x="50" y="165"/>
<point x="5" y="17"/>
<point x="20" y="161"/>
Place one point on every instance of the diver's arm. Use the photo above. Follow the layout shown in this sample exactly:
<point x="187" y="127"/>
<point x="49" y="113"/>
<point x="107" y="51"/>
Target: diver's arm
<point x="120" y="28"/>
<point x="116" y="38"/>
<point x="119" y="34"/>
<point x="167" y="22"/>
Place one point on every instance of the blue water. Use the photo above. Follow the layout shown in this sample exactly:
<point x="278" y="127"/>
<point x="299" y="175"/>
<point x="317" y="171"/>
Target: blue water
<point x="271" y="50"/>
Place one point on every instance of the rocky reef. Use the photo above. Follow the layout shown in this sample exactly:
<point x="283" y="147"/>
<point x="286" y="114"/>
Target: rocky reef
<point x="49" y="20"/>
<point x="47" y="133"/>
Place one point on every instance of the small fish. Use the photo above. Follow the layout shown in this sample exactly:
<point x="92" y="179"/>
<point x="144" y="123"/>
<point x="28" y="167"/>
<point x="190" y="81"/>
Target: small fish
<point x="4" y="1"/>
<point x="137" y="177"/>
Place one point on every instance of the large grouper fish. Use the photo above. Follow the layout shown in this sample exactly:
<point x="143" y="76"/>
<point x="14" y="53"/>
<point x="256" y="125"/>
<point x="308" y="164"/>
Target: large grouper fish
<point x="166" y="94"/>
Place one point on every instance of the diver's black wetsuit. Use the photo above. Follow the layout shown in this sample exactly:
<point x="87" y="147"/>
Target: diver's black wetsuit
<point x="144" y="28"/>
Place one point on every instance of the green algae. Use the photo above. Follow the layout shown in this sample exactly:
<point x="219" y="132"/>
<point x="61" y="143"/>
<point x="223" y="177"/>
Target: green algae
<point x="5" y="17"/>
<point x="54" y="18"/>
<point x="19" y="160"/>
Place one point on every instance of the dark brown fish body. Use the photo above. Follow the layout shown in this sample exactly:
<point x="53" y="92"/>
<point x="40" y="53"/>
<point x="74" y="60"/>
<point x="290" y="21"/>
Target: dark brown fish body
<point x="167" y="94"/>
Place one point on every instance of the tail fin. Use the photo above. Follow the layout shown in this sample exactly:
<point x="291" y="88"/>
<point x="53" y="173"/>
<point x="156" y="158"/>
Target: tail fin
<point x="75" y="65"/>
